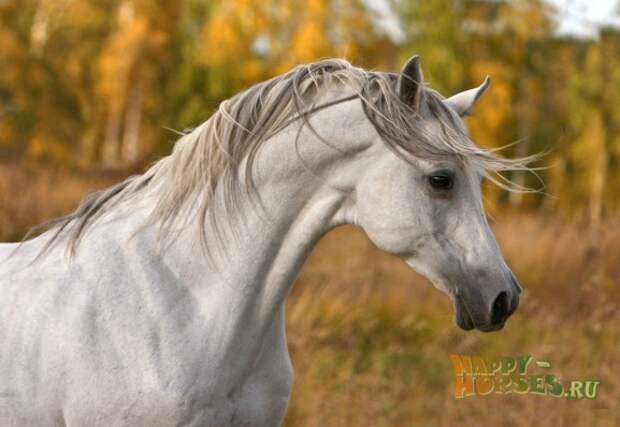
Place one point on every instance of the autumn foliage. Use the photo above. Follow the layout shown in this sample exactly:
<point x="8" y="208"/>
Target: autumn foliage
<point x="91" y="85"/>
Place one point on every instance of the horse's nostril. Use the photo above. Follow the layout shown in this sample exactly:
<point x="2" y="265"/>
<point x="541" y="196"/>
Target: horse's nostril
<point x="500" y="308"/>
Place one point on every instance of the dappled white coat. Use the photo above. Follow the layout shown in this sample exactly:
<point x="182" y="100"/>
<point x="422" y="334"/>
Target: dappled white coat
<point x="127" y="334"/>
<point x="130" y="333"/>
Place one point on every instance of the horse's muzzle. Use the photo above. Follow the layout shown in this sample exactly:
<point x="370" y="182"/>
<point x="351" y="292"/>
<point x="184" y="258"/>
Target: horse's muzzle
<point x="470" y="315"/>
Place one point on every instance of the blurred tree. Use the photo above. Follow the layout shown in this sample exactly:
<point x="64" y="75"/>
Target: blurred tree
<point x="548" y="91"/>
<point x="245" y="42"/>
<point x="88" y="83"/>
<point x="47" y="78"/>
<point x="130" y="67"/>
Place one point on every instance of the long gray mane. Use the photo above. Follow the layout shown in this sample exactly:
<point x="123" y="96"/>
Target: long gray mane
<point x="212" y="154"/>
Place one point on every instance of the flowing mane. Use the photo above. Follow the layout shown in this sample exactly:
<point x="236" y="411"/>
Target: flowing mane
<point x="212" y="154"/>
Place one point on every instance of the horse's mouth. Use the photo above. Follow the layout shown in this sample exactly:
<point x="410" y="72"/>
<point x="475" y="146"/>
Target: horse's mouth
<point x="462" y="317"/>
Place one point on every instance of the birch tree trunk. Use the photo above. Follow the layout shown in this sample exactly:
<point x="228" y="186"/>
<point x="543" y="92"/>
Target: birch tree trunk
<point x="522" y="149"/>
<point x="133" y="119"/>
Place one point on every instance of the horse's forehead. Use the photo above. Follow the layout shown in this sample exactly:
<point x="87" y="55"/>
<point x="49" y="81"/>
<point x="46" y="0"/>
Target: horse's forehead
<point x="447" y="118"/>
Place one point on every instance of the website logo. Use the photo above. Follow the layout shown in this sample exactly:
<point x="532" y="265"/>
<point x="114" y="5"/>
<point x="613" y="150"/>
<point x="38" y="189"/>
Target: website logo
<point x="473" y="376"/>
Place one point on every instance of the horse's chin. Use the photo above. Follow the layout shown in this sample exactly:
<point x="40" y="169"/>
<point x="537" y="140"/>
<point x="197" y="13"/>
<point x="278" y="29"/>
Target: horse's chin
<point x="491" y="328"/>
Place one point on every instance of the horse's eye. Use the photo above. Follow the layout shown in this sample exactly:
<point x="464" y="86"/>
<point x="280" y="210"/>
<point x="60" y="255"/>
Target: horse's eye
<point x="441" y="180"/>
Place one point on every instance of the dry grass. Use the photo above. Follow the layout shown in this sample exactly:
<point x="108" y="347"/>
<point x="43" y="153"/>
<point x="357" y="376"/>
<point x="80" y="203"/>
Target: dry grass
<point x="32" y="196"/>
<point x="370" y="339"/>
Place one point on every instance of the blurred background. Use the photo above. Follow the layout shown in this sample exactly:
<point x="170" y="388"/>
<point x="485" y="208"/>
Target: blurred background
<point x="90" y="88"/>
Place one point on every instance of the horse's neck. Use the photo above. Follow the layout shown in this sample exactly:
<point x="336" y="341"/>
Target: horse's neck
<point x="250" y="268"/>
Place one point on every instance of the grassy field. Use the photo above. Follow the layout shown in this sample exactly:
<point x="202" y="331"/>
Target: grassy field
<point x="370" y="340"/>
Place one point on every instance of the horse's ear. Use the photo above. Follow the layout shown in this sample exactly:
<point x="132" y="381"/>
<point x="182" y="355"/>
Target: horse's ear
<point x="463" y="102"/>
<point x="410" y="83"/>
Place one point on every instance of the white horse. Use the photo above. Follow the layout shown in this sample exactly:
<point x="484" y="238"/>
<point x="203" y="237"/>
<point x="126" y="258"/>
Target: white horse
<point x="159" y="302"/>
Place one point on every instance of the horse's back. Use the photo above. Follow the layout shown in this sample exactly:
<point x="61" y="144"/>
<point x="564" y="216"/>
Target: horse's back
<point x="26" y="295"/>
<point x="89" y="338"/>
<point x="5" y="251"/>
